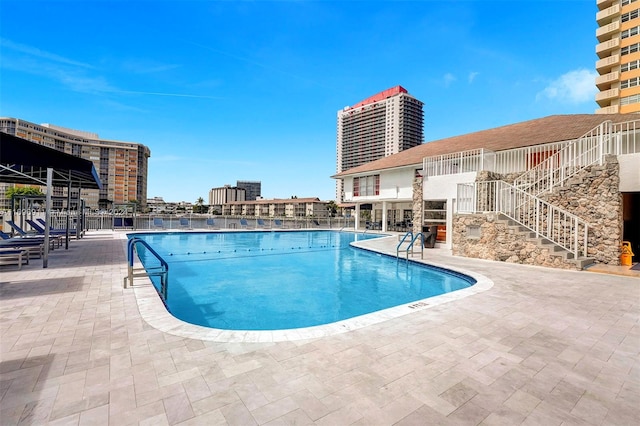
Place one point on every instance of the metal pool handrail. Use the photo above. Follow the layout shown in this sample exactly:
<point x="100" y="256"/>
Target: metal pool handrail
<point x="419" y="234"/>
<point x="162" y="271"/>
<point x="409" y="233"/>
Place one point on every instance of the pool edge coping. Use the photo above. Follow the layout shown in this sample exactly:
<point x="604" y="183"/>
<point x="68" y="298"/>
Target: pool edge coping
<point x="154" y="313"/>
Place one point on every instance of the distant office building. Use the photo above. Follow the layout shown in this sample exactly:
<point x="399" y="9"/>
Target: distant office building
<point x="122" y="166"/>
<point x="253" y="189"/>
<point x="226" y="194"/>
<point x="381" y="125"/>
<point x="618" y="45"/>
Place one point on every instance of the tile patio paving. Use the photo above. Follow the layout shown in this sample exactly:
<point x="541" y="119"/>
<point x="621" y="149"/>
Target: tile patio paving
<point x="541" y="347"/>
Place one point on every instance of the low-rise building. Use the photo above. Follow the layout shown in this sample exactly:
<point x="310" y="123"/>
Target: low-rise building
<point x="570" y="182"/>
<point x="286" y="208"/>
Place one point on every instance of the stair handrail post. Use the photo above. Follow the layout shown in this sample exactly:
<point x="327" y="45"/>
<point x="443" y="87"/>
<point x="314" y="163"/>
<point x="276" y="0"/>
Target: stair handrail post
<point x="576" y="232"/>
<point x="537" y="216"/>
<point x="601" y="144"/>
<point x="585" y="243"/>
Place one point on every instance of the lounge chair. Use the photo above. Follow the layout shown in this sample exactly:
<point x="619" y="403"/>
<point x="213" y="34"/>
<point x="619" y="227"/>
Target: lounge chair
<point x="316" y="223"/>
<point x="22" y="233"/>
<point x="14" y="256"/>
<point x="277" y="223"/>
<point x="40" y="230"/>
<point x="211" y="223"/>
<point x="184" y="223"/>
<point x="158" y="223"/>
<point x="33" y="245"/>
<point x="244" y="223"/>
<point x="29" y="240"/>
<point x="43" y="223"/>
<point x="261" y="224"/>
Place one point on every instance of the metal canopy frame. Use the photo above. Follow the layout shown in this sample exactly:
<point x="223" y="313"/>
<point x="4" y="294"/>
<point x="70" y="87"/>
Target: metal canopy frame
<point x="26" y="162"/>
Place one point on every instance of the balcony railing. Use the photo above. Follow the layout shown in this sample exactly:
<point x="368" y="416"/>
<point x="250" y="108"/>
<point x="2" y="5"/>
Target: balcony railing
<point x="459" y="162"/>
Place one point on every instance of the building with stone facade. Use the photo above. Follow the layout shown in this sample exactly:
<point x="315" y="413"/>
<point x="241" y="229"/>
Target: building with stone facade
<point x="381" y="125"/>
<point x="122" y="166"/>
<point x="560" y="191"/>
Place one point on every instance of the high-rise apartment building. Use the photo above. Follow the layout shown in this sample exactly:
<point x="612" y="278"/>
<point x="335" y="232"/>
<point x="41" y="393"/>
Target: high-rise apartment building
<point x="383" y="124"/>
<point x="226" y="194"/>
<point x="253" y="189"/>
<point x="618" y="50"/>
<point x="122" y="166"/>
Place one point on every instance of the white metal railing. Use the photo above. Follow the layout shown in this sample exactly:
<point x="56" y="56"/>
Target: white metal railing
<point x="556" y="169"/>
<point x="521" y="159"/>
<point x="516" y="160"/>
<point x="546" y="220"/>
<point x="458" y="162"/>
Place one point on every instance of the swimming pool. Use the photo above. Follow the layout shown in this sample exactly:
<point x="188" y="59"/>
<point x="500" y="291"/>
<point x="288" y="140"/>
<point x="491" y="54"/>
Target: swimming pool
<point x="286" y="279"/>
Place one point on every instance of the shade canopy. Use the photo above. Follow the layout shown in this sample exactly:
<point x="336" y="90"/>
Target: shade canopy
<point x="25" y="162"/>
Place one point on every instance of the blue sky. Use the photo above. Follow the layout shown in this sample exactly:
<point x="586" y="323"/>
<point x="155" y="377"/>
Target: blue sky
<point x="249" y="90"/>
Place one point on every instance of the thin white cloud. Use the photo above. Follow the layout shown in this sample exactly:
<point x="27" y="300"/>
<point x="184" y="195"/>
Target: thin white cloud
<point x="573" y="87"/>
<point x="472" y="76"/>
<point x="177" y="95"/>
<point x="448" y="79"/>
<point x="147" y="67"/>
<point x="38" y="53"/>
<point x="75" y="75"/>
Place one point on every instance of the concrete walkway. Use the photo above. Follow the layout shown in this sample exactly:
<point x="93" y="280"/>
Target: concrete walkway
<point x="540" y="347"/>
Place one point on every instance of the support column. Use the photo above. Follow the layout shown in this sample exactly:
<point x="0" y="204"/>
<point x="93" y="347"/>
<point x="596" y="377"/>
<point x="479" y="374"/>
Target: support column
<point x="383" y="228"/>
<point x="450" y="210"/>
<point x="47" y="217"/>
<point x="418" y="204"/>
<point x="357" y="219"/>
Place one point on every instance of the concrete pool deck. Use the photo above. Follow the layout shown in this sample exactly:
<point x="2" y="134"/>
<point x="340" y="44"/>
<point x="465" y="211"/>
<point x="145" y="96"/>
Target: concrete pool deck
<point x="541" y="346"/>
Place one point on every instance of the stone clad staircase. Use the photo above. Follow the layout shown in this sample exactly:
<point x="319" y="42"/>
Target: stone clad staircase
<point x="554" y="250"/>
<point x="524" y="209"/>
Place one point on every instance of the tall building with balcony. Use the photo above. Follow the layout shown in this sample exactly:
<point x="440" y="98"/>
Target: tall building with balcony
<point x="122" y="166"/>
<point x="381" y="125"/>
<point x="618" y="50"/>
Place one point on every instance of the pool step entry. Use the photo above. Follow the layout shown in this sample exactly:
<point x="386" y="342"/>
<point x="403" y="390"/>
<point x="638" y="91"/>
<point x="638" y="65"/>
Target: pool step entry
<point x="554" y="249"/>
<point x="162" y="271"/>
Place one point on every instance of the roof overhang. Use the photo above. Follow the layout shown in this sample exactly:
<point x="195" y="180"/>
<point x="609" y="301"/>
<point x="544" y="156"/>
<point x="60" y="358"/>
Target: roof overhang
<point x="25" y="162"/>
<point x="355" y="173"/>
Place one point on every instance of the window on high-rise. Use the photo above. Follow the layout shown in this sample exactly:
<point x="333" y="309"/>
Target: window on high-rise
<point x="632" y="82"/>
<point x="630" y="49"/>
<point x="630" y="32"/>
<point x="630" y="15"/>
<point x="630" y="65"/>
<point x="627" y="100"/>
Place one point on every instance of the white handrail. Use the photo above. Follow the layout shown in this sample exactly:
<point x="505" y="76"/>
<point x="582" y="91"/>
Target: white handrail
<point x="546" y="220"/>
<point x="606" y="138"/>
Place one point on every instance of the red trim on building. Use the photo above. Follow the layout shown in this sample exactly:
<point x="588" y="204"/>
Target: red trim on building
<point x="380" y="96"/>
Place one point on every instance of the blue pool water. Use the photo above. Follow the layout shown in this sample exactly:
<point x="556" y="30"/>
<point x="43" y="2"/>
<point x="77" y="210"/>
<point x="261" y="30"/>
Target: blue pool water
<point x="284" y="280"/>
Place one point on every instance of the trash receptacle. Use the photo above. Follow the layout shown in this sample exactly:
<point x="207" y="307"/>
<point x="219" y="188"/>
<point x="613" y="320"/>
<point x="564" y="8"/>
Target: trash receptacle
<point x="429" y="236"/>
<point x="626" y="254"/>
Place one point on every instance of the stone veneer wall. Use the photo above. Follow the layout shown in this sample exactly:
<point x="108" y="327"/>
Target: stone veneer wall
<point x="593" y="195"/>
<point x="417" y="205"/>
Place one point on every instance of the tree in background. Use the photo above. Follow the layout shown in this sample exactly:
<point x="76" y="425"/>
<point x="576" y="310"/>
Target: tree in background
<point x="200" y="207"/>
<point x="24" y="190"/>
<point x="332" y="207"/>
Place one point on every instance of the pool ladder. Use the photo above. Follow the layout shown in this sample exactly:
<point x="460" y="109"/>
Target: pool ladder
<point x="162" y="271"/>
<point x="411" y="245"/>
